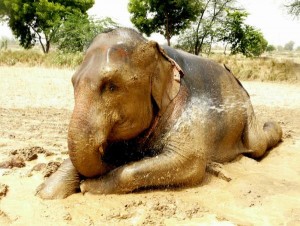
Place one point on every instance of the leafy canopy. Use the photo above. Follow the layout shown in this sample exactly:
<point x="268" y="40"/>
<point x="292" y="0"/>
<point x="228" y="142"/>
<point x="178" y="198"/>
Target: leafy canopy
<point x="243" y="38"/>
<point x="32" y="20"/>
<point x="167" y="17"/>
<point x="294" y="7"/>
<point x="76" y="33"/>
<point x="224" y="24"/>
<point x="206" y="29"/>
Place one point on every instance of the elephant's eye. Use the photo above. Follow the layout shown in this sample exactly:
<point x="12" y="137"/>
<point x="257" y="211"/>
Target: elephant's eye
<point x="108" y="86"/>
<point x="112" y="87"/>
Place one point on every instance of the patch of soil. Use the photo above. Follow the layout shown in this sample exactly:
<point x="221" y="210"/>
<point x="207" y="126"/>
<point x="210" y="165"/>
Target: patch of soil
<point x="243" y="192"/>
<point x="50" y="168"/>
<point x="13" y="161"/>
<point x="3" y="190"/>
<point x="4" y="219"/>
<point x="30" y="153"/>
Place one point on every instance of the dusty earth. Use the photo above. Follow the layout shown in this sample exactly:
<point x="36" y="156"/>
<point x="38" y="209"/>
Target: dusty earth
<point x="35" y="107"/>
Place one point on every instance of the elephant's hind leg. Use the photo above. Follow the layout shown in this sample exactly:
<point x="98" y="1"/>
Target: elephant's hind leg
<point x="257" y="139"/>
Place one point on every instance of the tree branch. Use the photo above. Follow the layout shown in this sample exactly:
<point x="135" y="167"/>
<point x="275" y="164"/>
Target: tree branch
<point x="40" y="37"/>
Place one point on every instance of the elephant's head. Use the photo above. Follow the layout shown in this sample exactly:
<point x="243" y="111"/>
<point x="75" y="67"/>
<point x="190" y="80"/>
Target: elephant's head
<point x="116" y="88"/>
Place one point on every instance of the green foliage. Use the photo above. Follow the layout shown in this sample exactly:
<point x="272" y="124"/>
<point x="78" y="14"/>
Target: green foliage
<point x="270" y="48"/>
<point x="243" y="38"/>
<point x="167" y="17"/>
<point x="206" y="29"/>
<point x="187" y="41"/>
<point x="35" y="20"/>
<point x="294" y="7"/>
<point x="233" y="30"/>
<point x="220" y="21"/>
<point x="3" y="44"/>
<point x="77" y="32"/>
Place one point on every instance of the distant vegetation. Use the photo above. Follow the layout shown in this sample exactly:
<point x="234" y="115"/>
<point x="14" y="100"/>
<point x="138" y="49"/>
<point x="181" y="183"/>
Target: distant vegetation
<point x="77" y="32"/>
<point x="35" y="57"/>
<point x="202" y="25"/>
<point x="168" y="17"/>
<point x="279" y="66"/>
<point x="38" y="21"/>
<point x="276" y="66"/>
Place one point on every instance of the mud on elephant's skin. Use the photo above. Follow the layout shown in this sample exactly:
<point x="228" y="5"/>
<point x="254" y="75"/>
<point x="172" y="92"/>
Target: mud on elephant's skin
<point x="147" y="115"/>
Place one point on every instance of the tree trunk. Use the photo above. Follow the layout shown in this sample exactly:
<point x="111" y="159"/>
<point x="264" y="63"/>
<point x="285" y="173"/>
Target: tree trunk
<point x="47" y="46"/>
<point x="40" y="40"/>
<point x="225" y="48"/>
<point x="167" y="30"/>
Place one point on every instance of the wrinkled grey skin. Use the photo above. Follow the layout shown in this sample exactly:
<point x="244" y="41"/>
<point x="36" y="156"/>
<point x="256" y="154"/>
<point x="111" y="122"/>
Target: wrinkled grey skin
<point x="210" y="118"/>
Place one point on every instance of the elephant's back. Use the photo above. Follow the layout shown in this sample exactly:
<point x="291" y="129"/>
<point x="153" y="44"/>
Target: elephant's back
<point x="203" y="76"/>
<point x="218" y="103"/>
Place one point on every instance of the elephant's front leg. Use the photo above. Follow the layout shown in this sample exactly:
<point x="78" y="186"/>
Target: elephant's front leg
<point x="64" y="182"/>
<point x="169" y="168"/>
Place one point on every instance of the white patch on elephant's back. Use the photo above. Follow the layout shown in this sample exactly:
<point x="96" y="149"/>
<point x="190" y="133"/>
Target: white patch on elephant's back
<point x="198" y="110"/>
<point x="194" y="112"/>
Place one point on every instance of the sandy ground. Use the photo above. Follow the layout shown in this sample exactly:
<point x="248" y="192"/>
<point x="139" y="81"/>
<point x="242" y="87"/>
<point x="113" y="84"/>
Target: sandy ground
<point x="35" y="107"/>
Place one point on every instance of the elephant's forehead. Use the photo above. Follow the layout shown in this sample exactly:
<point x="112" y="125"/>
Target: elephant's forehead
<point x="111" y="54"/>
<point x="105" y="64"/>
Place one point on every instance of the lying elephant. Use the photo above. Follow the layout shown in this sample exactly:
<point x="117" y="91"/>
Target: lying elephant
<point x="146" y="116"/>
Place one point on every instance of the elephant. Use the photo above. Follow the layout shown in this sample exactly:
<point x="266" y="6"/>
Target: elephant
<point x="151" y="116"/>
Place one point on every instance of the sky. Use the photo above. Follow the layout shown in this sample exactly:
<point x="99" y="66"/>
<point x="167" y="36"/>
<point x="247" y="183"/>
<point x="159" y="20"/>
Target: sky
<point x="269" y="16"/>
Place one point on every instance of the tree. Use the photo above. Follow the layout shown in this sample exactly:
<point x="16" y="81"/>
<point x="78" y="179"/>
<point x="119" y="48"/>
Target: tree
<point x="270" y="48"/>
<point x="289" y="46"/>
<point x="78" y="31"/>
<point x="294" y="7"/>
<point x="253" y="43"/>
<point x="206" y="30"/>
<point x="233" y="30"/>
<point x="35" y="20"/>
<point x="167" y="17"/>
<point x="243" y="38"/>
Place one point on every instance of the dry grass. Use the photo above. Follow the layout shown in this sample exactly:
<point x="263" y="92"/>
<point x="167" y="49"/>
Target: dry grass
<point x="272" y="67"/>
<point x="267" y="68"/>
<point x="36" y="58"/>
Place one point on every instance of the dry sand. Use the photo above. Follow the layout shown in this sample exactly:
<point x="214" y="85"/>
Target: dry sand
<point x="35" y="107"/>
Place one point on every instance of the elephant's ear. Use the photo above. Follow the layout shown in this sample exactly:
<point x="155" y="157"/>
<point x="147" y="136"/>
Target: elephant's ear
<point x="166" y="79"/>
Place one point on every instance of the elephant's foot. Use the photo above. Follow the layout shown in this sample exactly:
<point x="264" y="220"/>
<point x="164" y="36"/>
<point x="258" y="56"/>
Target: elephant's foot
<point x="63" y="183"/>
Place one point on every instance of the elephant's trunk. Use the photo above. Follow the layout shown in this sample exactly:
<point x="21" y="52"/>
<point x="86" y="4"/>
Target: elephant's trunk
<point x="86" y="145"/>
